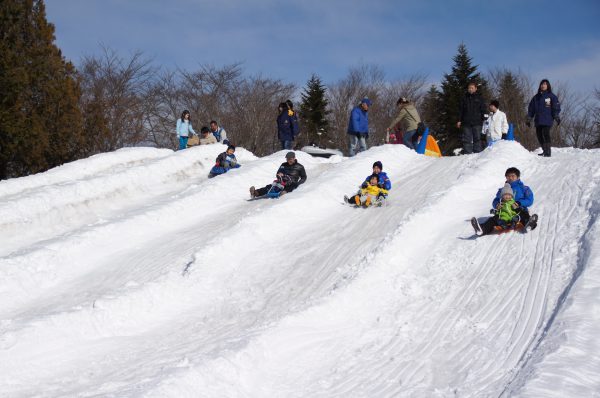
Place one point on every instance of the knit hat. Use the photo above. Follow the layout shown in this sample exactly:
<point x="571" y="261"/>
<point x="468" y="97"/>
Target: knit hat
<point x="290" y="155"/>
<point x="506" y="190"/>
<point x="365" y="101"/>
<point x="378" y="164"/>
<point x="204" y="130"/>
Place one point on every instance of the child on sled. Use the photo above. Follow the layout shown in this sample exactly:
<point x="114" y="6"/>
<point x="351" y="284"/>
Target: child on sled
<point x="371" y="192"/>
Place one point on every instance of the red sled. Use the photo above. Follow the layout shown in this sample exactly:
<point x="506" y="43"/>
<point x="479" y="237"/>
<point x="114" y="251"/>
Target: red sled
<point x="499" y="230"/>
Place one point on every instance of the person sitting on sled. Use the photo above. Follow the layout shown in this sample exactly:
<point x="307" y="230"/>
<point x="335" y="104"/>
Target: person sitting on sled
<point x="224" y="162"/>
<point x="370" y="192"/>
<point x="383" y="182"/>
<point x="289" y="170"/>
<point x="523" y="198"/>
<point x="522" y="193"/>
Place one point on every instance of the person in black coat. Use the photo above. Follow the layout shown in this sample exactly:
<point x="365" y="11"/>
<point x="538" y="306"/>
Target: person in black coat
<point x="290" y="174"/>
<point x="471" y="114"/>
<point x="544" y="108"/>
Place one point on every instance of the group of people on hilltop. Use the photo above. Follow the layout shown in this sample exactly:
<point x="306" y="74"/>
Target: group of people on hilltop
<point x="476" y="118"/>
<point x="185" y="132"/>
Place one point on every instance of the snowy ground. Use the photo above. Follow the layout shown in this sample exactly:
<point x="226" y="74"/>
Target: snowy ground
<point x="131" y="274"/>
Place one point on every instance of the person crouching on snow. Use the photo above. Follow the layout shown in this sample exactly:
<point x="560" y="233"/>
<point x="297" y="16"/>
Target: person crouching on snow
<point x="370" y="192"/>
<point x="224" y="162"/>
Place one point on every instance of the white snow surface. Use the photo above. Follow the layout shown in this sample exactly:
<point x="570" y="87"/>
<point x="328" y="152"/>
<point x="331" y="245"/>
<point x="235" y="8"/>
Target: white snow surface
<point x="131" y="274"/>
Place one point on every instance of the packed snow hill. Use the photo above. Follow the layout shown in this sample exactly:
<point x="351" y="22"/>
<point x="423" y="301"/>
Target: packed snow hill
<point x="133" y="274"/>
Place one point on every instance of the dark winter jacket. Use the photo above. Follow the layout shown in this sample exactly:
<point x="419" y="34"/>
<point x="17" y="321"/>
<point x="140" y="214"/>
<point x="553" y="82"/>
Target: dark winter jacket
<point x="223" y="163"/>
<point x="544" y="106"/>
<point x="384" y="181"/>
<point x="472" y="109"/>
<point x="359" y="122"/>
<point x="285" y="130"/>
<point x="295" y="171"/>
<point x="521" y="192"/>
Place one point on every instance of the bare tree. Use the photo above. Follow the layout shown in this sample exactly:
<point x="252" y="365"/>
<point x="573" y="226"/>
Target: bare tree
<point x="113" y="91"/>
<point x="363" y="81"/>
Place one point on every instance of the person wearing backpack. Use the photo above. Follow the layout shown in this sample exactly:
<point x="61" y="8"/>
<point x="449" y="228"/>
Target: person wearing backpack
<point x="408" y="118"/>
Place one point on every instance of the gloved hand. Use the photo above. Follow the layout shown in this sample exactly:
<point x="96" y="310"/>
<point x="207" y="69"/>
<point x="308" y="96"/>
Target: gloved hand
<point x="516" y="205"/>
<point x="557" y="121"/>
<point x="380" y="185"/>
<point x="492" y="211"/>
<point x="364" y="185"/>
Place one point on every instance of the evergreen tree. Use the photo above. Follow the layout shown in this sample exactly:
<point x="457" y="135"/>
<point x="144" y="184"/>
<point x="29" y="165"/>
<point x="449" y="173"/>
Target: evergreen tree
<point x="313" y="109"/>
<point x="431" y="109"/>
<point x="40" y="122"/>
<point x="454" y="87"/>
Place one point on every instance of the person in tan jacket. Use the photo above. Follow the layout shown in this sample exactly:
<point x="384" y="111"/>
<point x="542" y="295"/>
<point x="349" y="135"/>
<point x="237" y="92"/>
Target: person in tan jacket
<point x="408" y="118"/>
<point x="206" y="137"/>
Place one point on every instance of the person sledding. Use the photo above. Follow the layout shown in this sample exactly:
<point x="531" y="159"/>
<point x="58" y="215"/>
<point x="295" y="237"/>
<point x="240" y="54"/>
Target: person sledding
<point x="522" y="198"/>
<point x="225" y="161"/>
<point x="290" y="175"/>
<point x="383" y="182"/>
<point x="370" y="193"/>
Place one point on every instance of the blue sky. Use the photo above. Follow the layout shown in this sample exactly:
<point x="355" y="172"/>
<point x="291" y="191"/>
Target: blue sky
<point x="558" y="40"/>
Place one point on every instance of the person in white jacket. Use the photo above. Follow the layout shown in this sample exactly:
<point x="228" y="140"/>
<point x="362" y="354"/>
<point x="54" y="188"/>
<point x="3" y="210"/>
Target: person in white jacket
<point x="496" y="126"/>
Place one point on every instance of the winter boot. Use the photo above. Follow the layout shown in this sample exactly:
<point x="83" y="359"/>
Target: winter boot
<point x="346" y="199"/>
<point x="368" y="201"/>
<point x="532" y="223"/>
<point x="476" y="226"/>
<point x="357" y="200"/>
<point x="252" y="192"/>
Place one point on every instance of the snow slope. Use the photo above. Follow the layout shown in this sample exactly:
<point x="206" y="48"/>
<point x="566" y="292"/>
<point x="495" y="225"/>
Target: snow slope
<point x="131" y="274"/>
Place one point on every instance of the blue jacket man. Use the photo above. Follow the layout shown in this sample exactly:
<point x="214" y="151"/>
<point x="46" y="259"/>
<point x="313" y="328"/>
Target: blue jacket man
<point x="522" y="194"/>
<point x="384" y="181"/>
<point x="544" y="108"/>
<point x="358" y="126"/>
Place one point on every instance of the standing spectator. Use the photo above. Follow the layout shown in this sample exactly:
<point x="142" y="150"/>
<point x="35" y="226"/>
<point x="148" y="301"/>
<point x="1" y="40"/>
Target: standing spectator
<point x="545" y="108"/>
<point x="206" y="137"/>
<point x="496" y="126"/>
<point x="409" y="119"/>
<point x="285" y="127"/>
<point x="218" y="132"/>
<point x="358" y="127"/>
<point x="184" y="129"/>
<point x="472" y="109"/>
<point x="294" y="115"/>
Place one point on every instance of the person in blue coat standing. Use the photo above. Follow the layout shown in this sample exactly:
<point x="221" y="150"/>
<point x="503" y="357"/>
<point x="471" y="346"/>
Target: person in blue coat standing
<point x="544" y="109"/>
<point x="184" y="129"/>
<point x="286" y="127"/>
<point x="358" y="127"/>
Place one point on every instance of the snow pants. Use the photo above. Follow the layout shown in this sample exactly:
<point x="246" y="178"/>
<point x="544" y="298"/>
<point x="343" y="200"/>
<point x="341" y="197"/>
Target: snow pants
<point x="183" y="142"/>
<point x="543" y="136"/>
<point x="488" y="226"/>
<point x="471" y="138"/>
<point x="357" y="141"/>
